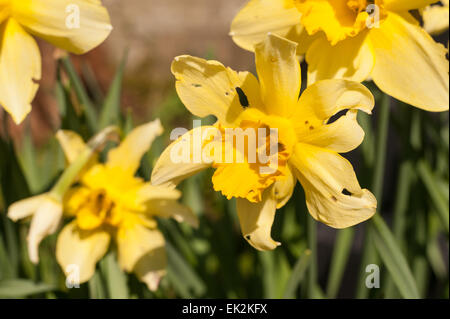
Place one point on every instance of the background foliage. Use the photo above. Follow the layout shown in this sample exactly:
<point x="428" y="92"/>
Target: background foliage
<point x="403" y="161"/>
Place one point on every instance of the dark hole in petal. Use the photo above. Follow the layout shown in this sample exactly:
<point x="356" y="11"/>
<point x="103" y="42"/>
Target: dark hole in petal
<point x="247" y="237"/>
<point x="242" y="97"/>
<point x="345" y="191"/>
<point x="196" y="85"/>
<point x="416" y="14"/>
<point x="337" y="116"/>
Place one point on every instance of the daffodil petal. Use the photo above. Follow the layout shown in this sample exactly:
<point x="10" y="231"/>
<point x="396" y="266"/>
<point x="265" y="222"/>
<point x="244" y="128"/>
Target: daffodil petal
<point x="209" y="88"/>
<point x="45" y="222"/>
<point x="320" y="101"/>
<point x="151" y="192"/>
<point x="81" y="249"/>
<point x="333" y="194"/>
<point x="177" y="162"/>
<point x="435" y="19"/>
<point x="279" y="74"/>
<point x="142" y="250"/>
<point x="26" y="207"/>
<point x="167" y="208"/>
<point x="343" y="135"/>
<point x="129" y="153"/>
<point x="258" y="17"/>
<point x="410" y="65"/>
<point x="71" y="143"/>
<point x="406" y="5"/>
<point x="20" y="68"/>
<point x="74" y="25"/>
<point x="256" y="220"/>
<point x="284" y="188"/>
<point x="350" y="59"/>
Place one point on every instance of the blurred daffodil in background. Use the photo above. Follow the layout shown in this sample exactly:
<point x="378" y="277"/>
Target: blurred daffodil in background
<point x="308" y="143"/>
<point x="73" y="25"/>
<point x="111" y="203"/>
<point x="435" y="17"/>
<point x="46" y="210"/>
<point x="356" y="40"/>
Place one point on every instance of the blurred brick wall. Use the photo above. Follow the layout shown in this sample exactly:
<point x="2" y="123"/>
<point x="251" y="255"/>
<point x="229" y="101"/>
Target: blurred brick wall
<point x="154" y="31"/>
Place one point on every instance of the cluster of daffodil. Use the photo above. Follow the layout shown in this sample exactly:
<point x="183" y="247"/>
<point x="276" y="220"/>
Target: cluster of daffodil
<point x="344" y="42"/>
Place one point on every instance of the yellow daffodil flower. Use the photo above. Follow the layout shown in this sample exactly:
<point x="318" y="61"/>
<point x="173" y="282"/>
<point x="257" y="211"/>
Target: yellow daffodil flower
<point x="436" y="17"/>
<point x="74" y="25"/>
<point x="308" y="143"/>
<point x="356" y="40"/>
<point x="47" y="209"/>
<point x="112" y="203"/>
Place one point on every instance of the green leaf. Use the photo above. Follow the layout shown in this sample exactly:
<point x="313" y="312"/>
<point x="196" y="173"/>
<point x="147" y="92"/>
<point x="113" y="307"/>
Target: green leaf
<point x="81" y="94"/>
<point x="392" y="256"/>
<point x="182" y="276"/>
<point x="96" y="287"/>
<point x="434" y="190"/>
<point x="339" y="259"/>
<point x="115" y="278"/>
<point x="110" y="114"/>
<point x="16" y="288"/>
<point x="298" y="273"/>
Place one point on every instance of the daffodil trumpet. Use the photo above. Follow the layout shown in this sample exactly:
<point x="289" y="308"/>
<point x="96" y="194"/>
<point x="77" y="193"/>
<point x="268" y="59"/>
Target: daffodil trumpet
<point x="77" y="26"/>
<point x="307" y="148"/>
<point x="359" y="40"/>
<point x="46" y="209"/>
<point x="111" y="205"/>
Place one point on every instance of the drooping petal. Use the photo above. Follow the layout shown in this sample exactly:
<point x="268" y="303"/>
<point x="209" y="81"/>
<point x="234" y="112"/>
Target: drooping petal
<point x="209" y="88"/>
<point x="410" y="65"/>
<point x="20" y="68"/>
<point x="333" y="194"/>
<point x="350" y="59"/>
<point x="81" y="249"/>
<point x="284" y="188"/>
<point x="167" y="208"/>
<point x="71" y="143"/>
<point x="258" y="17"/>
<point x="129" y="153"/>
<point x="256" y="220"/>
<point x="142" y="250"/>
<point x="279" y="74"/>
<point x="26" y="207"/>
<point x="45" y="222"/>
<point x="436" y="19"/>
<point x="406" y="5"/>
<point x="319" y="102"/>
<point x="182" y="158"/>
<point x="74" y="25"/>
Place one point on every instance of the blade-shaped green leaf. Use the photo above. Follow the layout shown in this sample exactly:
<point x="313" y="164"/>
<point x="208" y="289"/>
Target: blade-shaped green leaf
<point x="81" y="94"/>
<point x="298" y="273"/>
<point x="392" y="256"/>
<point x="115" y="278"/>
<point x="16" y="288"/>
<point x="110" y="114"/>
